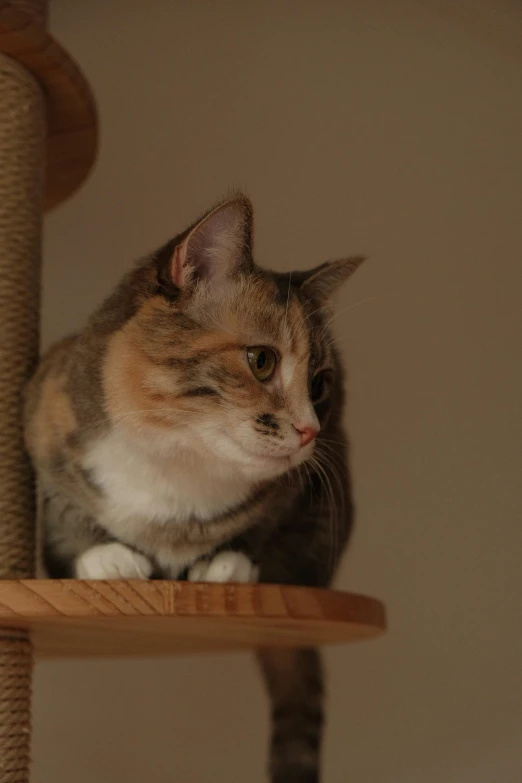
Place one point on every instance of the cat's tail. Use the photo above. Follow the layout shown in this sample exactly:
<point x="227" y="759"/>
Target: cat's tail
<point x="294" y="679"/>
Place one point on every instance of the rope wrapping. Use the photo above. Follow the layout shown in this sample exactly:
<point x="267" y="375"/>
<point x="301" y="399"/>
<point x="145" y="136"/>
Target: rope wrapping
<point x="22" y="156"/>
<point x="22" y="150"/>
<point x="15" y="706"/>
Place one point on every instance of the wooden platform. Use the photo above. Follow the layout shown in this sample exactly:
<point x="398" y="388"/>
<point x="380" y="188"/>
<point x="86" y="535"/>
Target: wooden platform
<point x="77" y="619"/>
<point x="71" y="113"/>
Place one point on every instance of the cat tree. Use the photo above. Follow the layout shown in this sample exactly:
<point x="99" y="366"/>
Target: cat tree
<point x="48" y="138"/>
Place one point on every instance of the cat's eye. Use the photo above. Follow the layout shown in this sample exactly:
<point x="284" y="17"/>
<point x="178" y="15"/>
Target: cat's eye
<point x="262" y="361"/>
<point x="318" y="387"/>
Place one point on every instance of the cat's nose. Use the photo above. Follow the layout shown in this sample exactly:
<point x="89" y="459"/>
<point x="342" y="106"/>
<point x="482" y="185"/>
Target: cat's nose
<point x="307" y="433"/>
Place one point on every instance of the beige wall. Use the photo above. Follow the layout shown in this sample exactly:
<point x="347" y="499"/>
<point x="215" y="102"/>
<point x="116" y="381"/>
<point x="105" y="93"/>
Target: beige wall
<point x="388" y="128"/>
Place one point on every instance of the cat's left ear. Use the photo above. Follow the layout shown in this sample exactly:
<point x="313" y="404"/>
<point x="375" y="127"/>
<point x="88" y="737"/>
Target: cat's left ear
<point x="216" y="247"/>
<point x="323" y="282"/>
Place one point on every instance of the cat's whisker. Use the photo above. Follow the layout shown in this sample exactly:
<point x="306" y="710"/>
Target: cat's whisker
<point x="167" y="411"/>
<point x="288" y="298"/>
<point x="332" y="469"/>
<point x="334" y="342"/>
<point x="297" y="472"/>
<point x="353" y="307"/>
<point x="305" y="467"/>
<point x="318" y="310"/>
<point x="331" y="507"/>
<point x="321" y="440"/>
<point x="309" y="477"/>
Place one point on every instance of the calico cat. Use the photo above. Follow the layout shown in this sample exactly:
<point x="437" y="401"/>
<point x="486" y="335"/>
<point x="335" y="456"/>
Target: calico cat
<point x="193" y="430"/>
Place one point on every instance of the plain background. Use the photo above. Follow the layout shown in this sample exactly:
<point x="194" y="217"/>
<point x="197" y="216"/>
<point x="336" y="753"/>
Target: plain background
<point x="393" y="129"/>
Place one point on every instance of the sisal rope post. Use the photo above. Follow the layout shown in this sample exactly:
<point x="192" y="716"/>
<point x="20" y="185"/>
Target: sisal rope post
<point x="22" y="158"/>
<point x="16" y="663"/>
<point x="22" y="139"/>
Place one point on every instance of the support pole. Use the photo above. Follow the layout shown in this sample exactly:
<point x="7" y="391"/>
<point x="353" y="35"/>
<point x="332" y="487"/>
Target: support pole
<point x="22" y="140"/>
<point x="22" y="158"/>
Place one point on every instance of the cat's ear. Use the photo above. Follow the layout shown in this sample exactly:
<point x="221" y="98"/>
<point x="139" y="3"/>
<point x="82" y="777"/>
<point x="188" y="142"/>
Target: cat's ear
<point x="322" y="282"/>
<point x="214" y="248"/>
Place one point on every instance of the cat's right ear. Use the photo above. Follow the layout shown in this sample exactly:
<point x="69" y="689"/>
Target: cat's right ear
<point x="215" y="248"/>
<point x="323" y="282"/>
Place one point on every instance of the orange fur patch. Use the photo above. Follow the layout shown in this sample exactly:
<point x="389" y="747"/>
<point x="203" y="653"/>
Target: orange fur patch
<point x="54" y="419"/>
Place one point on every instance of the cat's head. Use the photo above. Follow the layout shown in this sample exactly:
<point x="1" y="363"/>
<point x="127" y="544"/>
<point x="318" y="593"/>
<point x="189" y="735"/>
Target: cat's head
<point x="226" y="359"/>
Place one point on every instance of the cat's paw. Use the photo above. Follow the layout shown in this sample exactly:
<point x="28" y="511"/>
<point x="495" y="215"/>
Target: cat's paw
<point x="224" y="567"/>
<point x="112" y="561"/>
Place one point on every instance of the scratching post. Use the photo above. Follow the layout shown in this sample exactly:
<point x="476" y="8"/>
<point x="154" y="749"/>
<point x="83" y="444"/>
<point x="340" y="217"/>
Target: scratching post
<point x="16" y="664"/>
<point x="25" y="134"/>
<point x="22" y="137"/>
<point x="48" y="140"/>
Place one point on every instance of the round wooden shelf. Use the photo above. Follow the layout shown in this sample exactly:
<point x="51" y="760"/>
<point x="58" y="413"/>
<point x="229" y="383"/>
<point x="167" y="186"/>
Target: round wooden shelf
<point x="71" y="111"/>
<point x="85" y="619"/>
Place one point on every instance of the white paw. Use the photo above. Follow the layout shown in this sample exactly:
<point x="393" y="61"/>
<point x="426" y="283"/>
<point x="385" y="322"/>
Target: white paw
<point x="224" y="567"/>
<point x="112" y="561"/>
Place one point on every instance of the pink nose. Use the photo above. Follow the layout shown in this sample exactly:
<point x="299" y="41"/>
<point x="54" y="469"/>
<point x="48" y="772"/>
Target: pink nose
<point x="307" y="434"/>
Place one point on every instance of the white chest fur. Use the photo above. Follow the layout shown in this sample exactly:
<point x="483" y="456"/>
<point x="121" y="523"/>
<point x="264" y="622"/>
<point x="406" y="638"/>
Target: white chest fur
<point x="139" y="484"/>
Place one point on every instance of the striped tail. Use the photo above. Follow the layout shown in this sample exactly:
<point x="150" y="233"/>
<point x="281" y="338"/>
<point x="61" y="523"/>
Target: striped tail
<point x="294" y="680"/>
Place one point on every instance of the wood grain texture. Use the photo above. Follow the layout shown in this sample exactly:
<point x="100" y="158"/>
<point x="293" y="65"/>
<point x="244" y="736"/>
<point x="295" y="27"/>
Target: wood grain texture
<point x="84" y="619"/>
<point x="71" y="112"/>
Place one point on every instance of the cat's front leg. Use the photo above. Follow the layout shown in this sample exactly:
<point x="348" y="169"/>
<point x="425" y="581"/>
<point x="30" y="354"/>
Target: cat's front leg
<point x="112" y="561"/>
<point x="225" y="566"/>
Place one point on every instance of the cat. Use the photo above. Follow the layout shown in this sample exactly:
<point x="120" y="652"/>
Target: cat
<point x="193" y="430"/>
